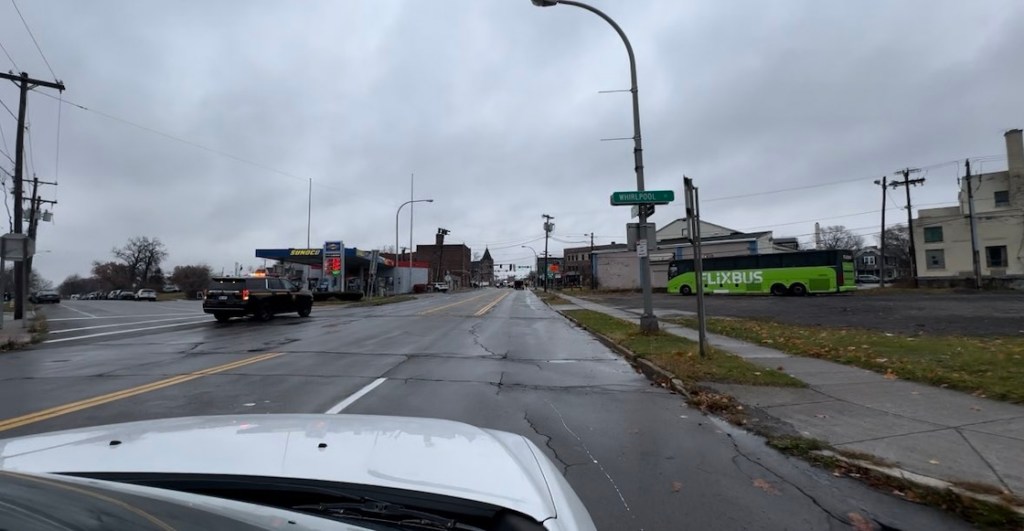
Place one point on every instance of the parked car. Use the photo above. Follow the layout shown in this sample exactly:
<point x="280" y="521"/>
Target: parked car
<point x="867" y="279"/>
<point x="146" y="295"/>
<point x="113" y="294"/>
<point x="439" y="286"/>
<point x="170" y="288"/>
<point x="519" y="284"/>
<point x="75" y="296"/>
<point x="44" y="297"/>
<point x="261" y="297"/>
<point x="126" y="295"/>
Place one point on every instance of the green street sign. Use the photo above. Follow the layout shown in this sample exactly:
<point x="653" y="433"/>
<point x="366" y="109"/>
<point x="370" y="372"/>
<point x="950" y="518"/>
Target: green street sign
<point x="652" y="197"/>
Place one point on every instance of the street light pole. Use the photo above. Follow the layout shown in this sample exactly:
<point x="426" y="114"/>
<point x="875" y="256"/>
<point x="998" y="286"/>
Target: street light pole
<point x="648" y="321"/>
<point x="399" y="211"/>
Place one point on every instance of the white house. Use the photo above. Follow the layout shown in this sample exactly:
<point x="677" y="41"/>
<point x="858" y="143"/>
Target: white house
<point x="942" y="236"/>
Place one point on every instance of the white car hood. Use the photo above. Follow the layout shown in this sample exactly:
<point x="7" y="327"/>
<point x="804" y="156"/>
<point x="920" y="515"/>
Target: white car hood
<point x="429" y="455"/>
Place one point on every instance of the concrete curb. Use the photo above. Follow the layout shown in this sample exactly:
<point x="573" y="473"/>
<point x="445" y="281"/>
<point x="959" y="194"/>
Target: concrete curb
<point x="649" y="369"/>
<point x="666" y="379"/>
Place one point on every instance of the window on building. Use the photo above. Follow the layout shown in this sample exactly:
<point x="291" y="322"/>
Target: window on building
<point x="869" y="260"/>
<point x="935" y="258"/>
<point x="932" y="234"/>
<point x="996" y="256"/>
<point x="1002" y="198"/>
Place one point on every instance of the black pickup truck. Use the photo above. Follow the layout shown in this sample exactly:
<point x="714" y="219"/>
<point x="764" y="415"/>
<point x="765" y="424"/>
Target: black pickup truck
<point x="260" y="297"/>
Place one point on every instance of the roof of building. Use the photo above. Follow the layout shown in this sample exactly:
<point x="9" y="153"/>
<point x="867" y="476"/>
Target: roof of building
<point x="487" y="255"/>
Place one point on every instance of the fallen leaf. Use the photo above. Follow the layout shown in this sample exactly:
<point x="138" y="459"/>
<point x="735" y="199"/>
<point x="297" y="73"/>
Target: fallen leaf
<point x="780" y="368"/>
<point x="933" y="461"/>
<point x="677" y="486"/>
<point x="859" y="523"/>
<point x="765" y="486"/>
<point x="889" y="375"/>
<point x="881" y="360"/>
<point x="757" y="373"/>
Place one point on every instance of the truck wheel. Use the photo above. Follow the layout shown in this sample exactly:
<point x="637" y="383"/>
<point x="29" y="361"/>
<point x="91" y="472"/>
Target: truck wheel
<point x="778" y="290"/>
<point x="798" y="289"/>
<point x="685" y="290"/>
<point x="263" y="312"/>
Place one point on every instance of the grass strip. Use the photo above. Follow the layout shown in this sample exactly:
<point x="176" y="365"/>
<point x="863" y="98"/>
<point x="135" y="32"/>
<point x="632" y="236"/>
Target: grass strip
<point x="991" y="367"/>
<point x="680" y="356"/>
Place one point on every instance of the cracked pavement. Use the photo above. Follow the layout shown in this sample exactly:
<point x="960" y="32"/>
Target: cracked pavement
<point x="636" y="454"/>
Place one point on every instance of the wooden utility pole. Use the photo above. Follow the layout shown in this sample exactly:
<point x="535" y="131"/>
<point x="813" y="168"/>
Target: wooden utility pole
<point x="25" y="84"/>
<point x="975" y="256"/>
<point x="906" y="183"/>
<point x="881" y="239"/>
<point x="548" y="227"/>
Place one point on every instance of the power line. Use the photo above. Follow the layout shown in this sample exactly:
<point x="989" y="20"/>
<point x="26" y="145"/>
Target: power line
<point x="8" y="109"/>
<point x="193" y="144"/>
<point x="34" y="41"/>
<point x="781" y="190"/>
<point x="9" y="58"/>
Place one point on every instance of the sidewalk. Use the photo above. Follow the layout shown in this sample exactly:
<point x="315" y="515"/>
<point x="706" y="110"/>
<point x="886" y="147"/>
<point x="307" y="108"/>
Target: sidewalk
<point x="934" y="432"/>
<point x="14" y="331"/>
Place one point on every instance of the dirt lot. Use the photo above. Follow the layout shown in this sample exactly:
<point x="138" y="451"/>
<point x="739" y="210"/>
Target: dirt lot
<point x="903" y="312"/>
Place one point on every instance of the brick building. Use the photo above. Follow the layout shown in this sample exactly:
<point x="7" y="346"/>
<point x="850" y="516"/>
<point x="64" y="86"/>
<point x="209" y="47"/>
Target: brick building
<point x="448" y="259"/>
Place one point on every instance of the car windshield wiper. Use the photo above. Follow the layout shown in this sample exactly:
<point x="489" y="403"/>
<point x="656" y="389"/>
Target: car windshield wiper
<point x="384" y="511"/>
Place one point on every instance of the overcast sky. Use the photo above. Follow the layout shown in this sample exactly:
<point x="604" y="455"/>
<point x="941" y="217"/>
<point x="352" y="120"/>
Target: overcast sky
<point x="494" y="105"/>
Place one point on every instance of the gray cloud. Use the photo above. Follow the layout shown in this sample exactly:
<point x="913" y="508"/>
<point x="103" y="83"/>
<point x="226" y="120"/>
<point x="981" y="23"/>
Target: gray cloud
<point x="495" y="106"/>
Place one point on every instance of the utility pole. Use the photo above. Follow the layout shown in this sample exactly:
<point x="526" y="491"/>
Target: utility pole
<point x="548" y="227"/>
<point x="25" y="84"/>
<point x="881" y="268"/>
<point x="906" y="183"/>
<point x="441" y="233"/>
<point x="593" y="279"/>
<point x="33" y="220"/>
<point x="975" y="257"/>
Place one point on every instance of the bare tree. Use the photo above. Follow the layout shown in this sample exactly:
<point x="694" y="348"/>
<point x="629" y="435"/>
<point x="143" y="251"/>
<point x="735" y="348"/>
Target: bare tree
<point x="192" y="278"/>
<point x="839" y="237"/>
<point x="897" y="248"/>
<point x="112" y="275"/>
<point x="142" y="256"/>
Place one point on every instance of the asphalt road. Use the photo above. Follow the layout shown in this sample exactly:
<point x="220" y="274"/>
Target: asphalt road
<point x="636" y="454"/>
<point x="900" y="312"/>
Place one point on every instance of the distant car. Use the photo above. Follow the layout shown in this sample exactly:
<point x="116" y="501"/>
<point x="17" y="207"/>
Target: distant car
<point x="75" y="296"/>
<point x="261" y="297"/>
<point x="145" y="295"/>
<point x="439" y="286"/>
<point x="170" y="288"/>
<point x="867" y="279"/>
<point x="126" y="295"/>
<point x="113" y="294"/>
<point x="519" y="284"/>
<point x="44" y="297"/>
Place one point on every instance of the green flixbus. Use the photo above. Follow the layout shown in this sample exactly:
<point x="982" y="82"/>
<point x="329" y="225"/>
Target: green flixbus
<point x="795" y="273"/>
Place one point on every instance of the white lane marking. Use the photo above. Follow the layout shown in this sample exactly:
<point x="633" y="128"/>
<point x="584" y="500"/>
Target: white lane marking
<point x="122" y="331"/>
<point x="121" y="324"/>
<point x="68" y="306"/>
<point x="123" y="316"/>
<point x="340" y="406"/>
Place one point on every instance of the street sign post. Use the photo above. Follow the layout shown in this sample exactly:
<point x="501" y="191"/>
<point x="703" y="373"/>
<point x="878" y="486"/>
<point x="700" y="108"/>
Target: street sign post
<point x="655" y="197"/>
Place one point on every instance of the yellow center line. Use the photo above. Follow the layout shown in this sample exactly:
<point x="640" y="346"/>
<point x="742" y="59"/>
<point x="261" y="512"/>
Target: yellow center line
<point x="71" y="407"/>
<point x="456" y="303"/>
<point x="493" y="303"/>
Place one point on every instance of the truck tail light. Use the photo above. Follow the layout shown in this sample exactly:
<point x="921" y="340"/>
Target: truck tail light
<point x="245" y="294"/>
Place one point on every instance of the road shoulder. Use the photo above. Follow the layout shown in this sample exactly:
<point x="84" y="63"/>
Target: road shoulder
<point x="911" y="439"/>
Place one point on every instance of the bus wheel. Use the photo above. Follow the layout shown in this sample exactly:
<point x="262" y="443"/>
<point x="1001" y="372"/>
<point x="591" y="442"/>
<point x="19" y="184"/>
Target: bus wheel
<point x="798" y="289"/>
<point x="685" y="290"/>
<point x="778" y="290"/>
